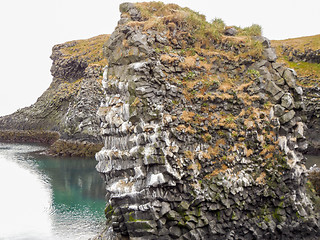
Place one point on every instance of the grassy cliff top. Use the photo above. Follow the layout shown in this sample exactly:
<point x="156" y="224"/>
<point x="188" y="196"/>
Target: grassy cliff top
<point x="87" y="49"/>
<point x="168" y="18"/>
<point x="284" y="49"/>
<point x="158" y="14"/>
<point x="301" y="43"/>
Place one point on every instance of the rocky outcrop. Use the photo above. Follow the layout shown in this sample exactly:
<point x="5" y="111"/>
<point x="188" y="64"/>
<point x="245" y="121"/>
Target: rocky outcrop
<point x="303" y="54"/>
<point x="313" y="119"/>
<point x="70" y="104"/>
<point x="307" y="55"/>
<point x="43" y="137"/>
<point x="202" y="133"/>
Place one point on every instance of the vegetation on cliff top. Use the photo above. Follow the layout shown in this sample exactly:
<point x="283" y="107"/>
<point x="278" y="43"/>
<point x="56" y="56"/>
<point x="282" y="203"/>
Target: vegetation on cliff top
<point x="301" y="43"/>
<point x="159" y="16"/>
<point x="308" y="70"/>
<point x="88" y="49"/>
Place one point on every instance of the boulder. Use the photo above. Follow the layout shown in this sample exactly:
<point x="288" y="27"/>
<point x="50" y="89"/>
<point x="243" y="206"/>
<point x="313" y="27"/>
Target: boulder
<point x="290" y="76"/>
<point x="287" y="116"/>
<point x="230" y="31"/>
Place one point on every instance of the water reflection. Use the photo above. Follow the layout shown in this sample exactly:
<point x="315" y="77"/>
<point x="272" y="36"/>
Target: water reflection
<point x="312" y="160"/>
<point x="25" y="203"/>
<point x="48" y="198"/>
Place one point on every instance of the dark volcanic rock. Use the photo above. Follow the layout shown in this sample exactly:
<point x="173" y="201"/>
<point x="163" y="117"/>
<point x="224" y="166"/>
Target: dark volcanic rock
<point x="202" y="136"/>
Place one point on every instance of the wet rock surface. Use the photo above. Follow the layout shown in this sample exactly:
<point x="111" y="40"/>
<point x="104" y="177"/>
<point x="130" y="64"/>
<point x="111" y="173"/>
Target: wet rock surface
<point x="199" y="144"/>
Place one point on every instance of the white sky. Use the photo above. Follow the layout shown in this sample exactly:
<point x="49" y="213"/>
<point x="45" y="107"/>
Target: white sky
<point x="29" y="29"/>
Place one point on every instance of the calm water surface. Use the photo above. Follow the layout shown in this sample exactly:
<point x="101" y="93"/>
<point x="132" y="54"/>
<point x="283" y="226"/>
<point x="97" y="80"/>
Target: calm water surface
<point x="48" y="198"/>
<point x="311" y="160"/>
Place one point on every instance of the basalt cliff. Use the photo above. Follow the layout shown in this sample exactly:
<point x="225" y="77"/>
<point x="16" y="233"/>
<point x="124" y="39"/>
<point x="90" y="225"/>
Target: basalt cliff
<point x="303" y="54"/>
<point x="203" y="132"/>
<point x="67" y="109"/>
<point x="203" y="125"/>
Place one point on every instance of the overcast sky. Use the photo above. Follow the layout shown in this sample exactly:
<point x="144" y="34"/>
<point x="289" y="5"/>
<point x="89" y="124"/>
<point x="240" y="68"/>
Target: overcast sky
<point x="29" y="29"/>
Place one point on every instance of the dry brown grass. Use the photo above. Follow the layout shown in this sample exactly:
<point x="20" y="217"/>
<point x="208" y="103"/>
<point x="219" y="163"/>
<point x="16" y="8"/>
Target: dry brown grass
<point x="262" y="178"/>
<point x="249" y="152"/>
<point x="188" y="154"/>
<point x="312" y="42"/>
<point x="206" y="66"/>
<point x="181" y="128"/>
<point x="217" y="171"/>
<point x="206" y="137"/>
<point x="215" y="151"/>
<point x="189" y="62"/>
<point x="165" y="58"/>
<point x="225" y="86"/>
<point x="88" y="49"/>
<point x="190" y="130"/>
<point x="268" y="149"/>
<point x="187" y="116"/>
<point x="224" y="96"/>
<point x="195" y="166"/>
<point x="247" y="99"/>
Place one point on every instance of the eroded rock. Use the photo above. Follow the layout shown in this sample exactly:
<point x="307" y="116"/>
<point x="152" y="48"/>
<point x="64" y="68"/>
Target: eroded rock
<point x="202" y="157"/>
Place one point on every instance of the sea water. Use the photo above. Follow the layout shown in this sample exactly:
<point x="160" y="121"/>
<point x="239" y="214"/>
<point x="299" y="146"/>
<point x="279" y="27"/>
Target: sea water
<point x="50" y="198"/>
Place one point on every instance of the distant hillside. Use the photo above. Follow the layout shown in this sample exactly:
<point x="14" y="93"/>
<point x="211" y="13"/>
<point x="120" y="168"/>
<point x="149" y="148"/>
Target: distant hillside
<point x="70" y="103"/>
<point x="303" y="55"/>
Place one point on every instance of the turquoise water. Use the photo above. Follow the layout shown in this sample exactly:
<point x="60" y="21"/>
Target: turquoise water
<point x="48" y="198"/>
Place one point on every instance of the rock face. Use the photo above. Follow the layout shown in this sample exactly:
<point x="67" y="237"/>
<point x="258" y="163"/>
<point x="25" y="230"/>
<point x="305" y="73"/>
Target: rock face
<point x="307" y="55"/>
<point x="70" y="104"/>
<point x="313" y="118"/>
<point x="303" y="54"/>
<point x="202" y="133"/>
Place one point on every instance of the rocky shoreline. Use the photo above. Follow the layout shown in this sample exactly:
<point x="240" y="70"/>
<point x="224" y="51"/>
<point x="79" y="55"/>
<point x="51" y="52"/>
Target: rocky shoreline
<point x="29" y="136"/>
<point x="56" y="146"/>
